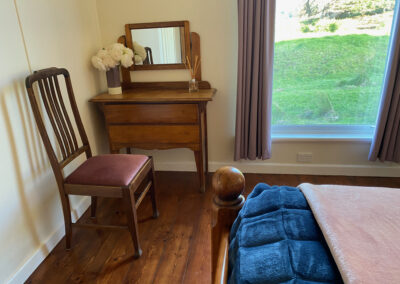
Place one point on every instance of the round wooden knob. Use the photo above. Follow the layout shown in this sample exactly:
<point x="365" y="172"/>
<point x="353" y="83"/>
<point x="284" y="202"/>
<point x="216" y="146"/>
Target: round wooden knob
<point x="228" y="184"/>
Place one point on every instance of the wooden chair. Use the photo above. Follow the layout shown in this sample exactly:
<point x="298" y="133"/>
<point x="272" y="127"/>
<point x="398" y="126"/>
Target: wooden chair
<point x="113" y="175"/>
<point x="149" y="57"/>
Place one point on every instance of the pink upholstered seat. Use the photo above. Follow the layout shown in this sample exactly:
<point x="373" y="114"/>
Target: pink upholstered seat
<point x="108" y="170"/>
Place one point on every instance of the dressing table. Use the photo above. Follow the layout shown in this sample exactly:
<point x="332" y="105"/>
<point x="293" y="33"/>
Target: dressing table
<point x="160" y="115"/>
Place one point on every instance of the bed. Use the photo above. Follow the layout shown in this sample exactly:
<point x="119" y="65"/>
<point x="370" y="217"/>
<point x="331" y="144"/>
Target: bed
<point x="353" y="233"/>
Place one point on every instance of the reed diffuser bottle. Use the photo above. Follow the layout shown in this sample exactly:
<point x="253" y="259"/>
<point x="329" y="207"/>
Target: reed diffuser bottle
<point x="193" y="83"/>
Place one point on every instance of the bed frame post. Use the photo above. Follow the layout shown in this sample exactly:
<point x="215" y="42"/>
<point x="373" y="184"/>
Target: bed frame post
<point x="228" y="185"/>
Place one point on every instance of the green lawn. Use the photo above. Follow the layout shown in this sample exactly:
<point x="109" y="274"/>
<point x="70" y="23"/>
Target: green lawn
<point x="335" y="80"/>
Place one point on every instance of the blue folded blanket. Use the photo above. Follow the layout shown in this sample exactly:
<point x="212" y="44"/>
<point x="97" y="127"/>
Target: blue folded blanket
<point x="275" y="239"/>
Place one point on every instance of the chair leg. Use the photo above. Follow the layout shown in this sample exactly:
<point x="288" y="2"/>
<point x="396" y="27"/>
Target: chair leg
<point x="93" y="207"/>
<point x="130" y="204"/>
<point x="154" y="201"/>
<point x="153" y="191"/>
<point x="67" y="220"/>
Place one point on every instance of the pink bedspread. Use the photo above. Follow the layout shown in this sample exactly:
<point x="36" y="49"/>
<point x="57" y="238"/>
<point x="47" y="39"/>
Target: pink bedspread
<point x="362" y="228"/>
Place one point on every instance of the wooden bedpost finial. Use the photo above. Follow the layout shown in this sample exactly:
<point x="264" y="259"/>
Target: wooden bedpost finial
<point x="228" y="184"/>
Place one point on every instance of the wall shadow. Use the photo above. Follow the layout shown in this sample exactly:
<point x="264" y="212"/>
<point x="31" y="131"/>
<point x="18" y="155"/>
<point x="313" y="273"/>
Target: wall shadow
<point x="34" y="146"/>
<point x="34" y="150"/>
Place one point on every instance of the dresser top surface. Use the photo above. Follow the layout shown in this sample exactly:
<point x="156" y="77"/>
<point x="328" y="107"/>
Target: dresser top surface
<point x="156" y="95"/>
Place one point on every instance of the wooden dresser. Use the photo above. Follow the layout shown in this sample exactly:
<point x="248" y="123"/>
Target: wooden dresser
<point x="159" y="119"/>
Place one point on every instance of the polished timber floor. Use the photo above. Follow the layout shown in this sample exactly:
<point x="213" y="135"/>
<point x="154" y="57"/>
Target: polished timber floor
<point x="176" y="246"/>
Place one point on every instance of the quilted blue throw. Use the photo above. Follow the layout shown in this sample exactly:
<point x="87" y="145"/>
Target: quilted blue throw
<point x="275" y="239"/>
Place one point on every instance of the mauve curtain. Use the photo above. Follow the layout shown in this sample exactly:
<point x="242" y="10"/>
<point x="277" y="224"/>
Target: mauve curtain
<point x="386" y="142"/>
<point x="254" y="86"/>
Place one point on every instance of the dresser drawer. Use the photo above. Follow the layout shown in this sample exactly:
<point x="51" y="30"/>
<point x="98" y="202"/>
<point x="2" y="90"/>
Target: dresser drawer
<point x="151" y="113"/>
<point x="161" y="134"/>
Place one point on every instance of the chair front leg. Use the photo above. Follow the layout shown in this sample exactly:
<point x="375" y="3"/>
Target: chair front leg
<point x="67" y="220"/>
<point x="153" y="191"/>
<point x="93" y="207"/>
<point x="130" y="205"/>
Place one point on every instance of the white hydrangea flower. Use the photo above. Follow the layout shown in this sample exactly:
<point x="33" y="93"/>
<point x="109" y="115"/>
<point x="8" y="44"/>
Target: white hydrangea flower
<point x="118" y="46"/>
<point x="116" y="51"/>
<point x="98" y="63"/>
<point x="126" y="60"/>
<point x="128" y="51"/>
<point x="139" y="50"/>
<point x="109" y="62"/>
<point x="102" y="53"/>
<point x="116" y="54"/>
<point x="138" y="60"/>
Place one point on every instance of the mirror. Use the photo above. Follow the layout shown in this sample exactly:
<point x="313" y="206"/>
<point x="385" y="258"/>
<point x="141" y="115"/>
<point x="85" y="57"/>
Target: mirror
<point x="161" y="45"/>
<point x="156" y="46"/>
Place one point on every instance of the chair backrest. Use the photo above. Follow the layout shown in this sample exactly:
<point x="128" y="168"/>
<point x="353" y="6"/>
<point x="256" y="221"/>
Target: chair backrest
<point x="52" y="99"/>
<point x="149" y="57"/>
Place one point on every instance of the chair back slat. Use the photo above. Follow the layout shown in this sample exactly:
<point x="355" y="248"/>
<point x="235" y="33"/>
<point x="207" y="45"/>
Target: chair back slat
<point x="51" y="96"/>
<point x="71" y="129"/>
<point x="49" y="110"/>
<point x="78" y="120"/>
<point x="65" y="132"/>
<point x="58" y="115"/>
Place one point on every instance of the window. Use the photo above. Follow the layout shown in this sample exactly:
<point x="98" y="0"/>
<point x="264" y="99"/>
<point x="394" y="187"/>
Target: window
<point x="329" y="65"/>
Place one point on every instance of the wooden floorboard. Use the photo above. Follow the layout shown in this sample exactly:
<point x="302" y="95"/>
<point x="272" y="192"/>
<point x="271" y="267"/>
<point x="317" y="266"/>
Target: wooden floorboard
<point x="176" y="246"/>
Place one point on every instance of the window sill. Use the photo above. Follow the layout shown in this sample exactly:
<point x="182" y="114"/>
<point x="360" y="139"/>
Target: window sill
<point x="318" y="138"/>
<point x="327" y="133"/>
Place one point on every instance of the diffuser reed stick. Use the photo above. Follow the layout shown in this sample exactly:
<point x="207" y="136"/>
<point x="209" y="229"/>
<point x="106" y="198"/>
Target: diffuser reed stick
<point x="192" y="69"/>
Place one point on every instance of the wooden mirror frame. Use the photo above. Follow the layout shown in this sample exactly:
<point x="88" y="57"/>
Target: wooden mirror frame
<point x="193" y="52"/>
<point x="186" y="41"/>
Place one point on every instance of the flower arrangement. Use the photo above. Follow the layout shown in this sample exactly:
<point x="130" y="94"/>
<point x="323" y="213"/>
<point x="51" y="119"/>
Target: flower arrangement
<point x="113" y="55"/>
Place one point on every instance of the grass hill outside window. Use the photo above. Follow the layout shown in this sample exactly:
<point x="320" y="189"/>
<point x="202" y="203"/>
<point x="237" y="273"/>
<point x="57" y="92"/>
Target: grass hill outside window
<point x="329" y="65"/>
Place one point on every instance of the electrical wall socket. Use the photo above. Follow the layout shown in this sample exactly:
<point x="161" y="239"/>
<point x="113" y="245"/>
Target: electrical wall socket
<point x="304" y="157"/>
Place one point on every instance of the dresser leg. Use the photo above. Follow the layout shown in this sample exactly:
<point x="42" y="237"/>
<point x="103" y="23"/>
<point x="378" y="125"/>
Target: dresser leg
<point x="205" y="140"/>
<point x="198" y="155"/>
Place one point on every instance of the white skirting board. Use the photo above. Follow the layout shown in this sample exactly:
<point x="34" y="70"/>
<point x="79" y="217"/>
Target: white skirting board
<point x="385" y="170"/>
<point x="36" y="259"/>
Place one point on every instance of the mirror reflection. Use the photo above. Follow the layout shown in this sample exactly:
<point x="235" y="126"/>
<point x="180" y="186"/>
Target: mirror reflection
<point x="158" y="45"/>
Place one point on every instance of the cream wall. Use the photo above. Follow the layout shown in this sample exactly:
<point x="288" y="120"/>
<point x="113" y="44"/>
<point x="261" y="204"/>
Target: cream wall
<point x="216" y="22"/>
<point x="50" y="33"/>
<point x="43" y="33"/>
